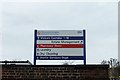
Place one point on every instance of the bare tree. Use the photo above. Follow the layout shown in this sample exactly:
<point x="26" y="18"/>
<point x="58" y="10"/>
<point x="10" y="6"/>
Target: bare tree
<point x="68" y="63"/>
<point x="104" y="62"/>
<point x="114" y="67"/>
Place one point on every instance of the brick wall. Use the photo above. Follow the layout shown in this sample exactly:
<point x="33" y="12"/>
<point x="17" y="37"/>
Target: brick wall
<point x="55" y="72"/>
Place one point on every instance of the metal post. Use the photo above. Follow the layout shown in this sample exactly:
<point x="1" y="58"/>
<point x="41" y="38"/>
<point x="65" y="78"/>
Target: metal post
<point x="35" y="37"/>
<point x="84" y="46"/>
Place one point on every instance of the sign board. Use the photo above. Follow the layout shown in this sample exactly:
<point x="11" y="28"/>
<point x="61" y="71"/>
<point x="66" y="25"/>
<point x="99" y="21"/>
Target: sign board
<point x="59" y="45"/>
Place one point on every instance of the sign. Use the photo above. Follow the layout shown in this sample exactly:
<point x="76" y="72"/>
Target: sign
<point x="59" y="45"/>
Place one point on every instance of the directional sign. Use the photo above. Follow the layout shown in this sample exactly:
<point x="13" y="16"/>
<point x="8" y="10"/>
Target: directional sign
<point x="59" y="45"/>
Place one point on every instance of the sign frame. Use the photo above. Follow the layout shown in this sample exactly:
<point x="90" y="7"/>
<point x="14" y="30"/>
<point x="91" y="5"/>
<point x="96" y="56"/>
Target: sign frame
<point x="84" y="48"/>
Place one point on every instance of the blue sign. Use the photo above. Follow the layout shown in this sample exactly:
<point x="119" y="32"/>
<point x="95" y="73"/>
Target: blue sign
<point x="59" y="45"/>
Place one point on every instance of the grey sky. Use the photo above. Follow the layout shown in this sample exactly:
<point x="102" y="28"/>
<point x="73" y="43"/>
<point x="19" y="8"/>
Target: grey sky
<point x="20" y="19"/>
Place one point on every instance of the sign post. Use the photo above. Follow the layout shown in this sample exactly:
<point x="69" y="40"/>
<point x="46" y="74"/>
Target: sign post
<point x="59" y="45"/>
<point x="35" y="39"/>
<point x="84" y="34"/>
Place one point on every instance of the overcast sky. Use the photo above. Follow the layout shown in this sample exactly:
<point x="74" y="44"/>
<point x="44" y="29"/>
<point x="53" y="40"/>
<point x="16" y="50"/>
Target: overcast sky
<point x="19" y="19"/>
